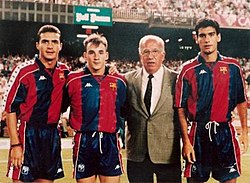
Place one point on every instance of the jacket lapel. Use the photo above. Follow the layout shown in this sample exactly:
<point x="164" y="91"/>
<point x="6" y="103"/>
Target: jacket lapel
<point x="137" y="84"/>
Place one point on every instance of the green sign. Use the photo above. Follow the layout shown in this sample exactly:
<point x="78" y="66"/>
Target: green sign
<point x="93" y="16"/>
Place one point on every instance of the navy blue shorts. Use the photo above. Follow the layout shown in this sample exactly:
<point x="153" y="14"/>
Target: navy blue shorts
<point x="42" y="154"/>
<point x="217" y="151"/>
<point x="96" y="153"/>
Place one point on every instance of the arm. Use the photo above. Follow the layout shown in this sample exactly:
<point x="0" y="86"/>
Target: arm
<point x="242" y="111"/>
<point x="16" y="153"/>
<point x="187" y="149"/>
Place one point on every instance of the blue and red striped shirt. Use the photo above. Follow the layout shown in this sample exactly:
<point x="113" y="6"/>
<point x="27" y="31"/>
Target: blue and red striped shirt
<point x="210" y="91"/>
<point x="35" y="93"/>
<point x="96" y="102"/>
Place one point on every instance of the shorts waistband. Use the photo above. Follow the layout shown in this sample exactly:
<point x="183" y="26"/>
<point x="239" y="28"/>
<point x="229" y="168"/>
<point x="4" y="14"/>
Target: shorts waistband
<point x="41" y="125"/>
<point x="212" y="126"/>
<point x="205" y="122"/>
<point x="92" y="132"/>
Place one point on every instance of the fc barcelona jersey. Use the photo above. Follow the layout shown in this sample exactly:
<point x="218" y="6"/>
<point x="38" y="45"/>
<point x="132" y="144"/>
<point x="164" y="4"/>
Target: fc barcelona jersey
<point x="35" y="93"/>
<point x="210" y="91"/>
<point x="96" y="101"/>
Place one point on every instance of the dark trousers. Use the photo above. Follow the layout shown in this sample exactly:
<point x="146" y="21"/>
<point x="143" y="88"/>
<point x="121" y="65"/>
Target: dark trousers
<point x="143" y="172"/>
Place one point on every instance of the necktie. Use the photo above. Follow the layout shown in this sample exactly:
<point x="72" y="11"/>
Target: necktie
<point x="148" y="93"/>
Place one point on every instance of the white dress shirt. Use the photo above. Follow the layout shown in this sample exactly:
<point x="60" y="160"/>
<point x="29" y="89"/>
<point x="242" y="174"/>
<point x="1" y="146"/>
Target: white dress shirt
<point x="156" y="86"/>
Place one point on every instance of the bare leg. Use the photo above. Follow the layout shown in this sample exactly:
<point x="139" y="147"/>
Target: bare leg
<point x="91" y="179"/>
<point x="231" y="181"/>
<point x="109" y="179"/>
<point x="43" y="181"/>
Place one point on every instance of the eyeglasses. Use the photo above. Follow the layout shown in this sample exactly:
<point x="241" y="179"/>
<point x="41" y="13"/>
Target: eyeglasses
<point x="154" y="52"/>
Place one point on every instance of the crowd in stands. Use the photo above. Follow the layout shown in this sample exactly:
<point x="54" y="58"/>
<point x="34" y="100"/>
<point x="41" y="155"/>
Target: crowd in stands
<point x="7" y="63"/>
<point x="228" y="9"/>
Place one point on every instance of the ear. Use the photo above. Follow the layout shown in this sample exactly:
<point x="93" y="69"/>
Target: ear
<point x="107" y="55"/>
<point x="219" y="38"/>
<point x="37" y="45"/>
<point x="164" y="53"/>
<point x="61" y="45"/>
<point x="195" y="39"/>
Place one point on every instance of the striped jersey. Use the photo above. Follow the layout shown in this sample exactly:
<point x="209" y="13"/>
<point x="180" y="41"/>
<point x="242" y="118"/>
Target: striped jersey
<point x="210" y="91"/>
<point x="96" y="102"/>
<point x="35" y="93"/>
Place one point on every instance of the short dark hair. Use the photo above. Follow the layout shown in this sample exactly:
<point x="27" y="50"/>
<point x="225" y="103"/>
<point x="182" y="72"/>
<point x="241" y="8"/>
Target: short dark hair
<point x="207" y="22"/>
<point x="96" y="39"/>
<point x="48" y="28"/>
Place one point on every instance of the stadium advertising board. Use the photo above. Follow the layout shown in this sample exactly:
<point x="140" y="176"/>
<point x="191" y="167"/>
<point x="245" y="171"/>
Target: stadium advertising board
<point x="233" y="21"/>
<point x="93" y="16"/>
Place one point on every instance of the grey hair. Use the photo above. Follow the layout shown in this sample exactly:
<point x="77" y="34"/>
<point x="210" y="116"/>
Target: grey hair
<point x="151" y="37"/>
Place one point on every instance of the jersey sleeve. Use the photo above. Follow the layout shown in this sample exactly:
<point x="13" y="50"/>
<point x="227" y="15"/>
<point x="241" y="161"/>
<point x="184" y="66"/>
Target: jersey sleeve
<point x="241" y="89"/>
<point x="17" y="92"/>
<point x="181" y="90"/>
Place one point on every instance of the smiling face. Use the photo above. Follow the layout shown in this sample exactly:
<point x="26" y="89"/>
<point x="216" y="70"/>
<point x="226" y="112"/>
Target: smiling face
<point x="152" y="55"/>
<point x="49" y="46"/>
<point x="208" y="40"/>
<point x="96" y="56"/>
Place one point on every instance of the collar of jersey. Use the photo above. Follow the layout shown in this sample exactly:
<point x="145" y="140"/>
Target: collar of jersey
<point x="40" y="64"/>
<point x="87" y="71"/>
<point x="202" y="60"/>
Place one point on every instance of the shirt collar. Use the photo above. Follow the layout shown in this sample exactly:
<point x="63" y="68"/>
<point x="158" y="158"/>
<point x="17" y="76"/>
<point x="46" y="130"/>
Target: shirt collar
<point x="87" y="71"/>
<point x="156" y="75"/>
<point x="202" y="60"/>
<point x="40" y="64"/>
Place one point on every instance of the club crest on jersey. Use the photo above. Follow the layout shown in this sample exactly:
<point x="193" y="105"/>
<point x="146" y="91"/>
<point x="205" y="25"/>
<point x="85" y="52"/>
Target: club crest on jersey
<point x="113" y="86"/>
<point x="61" y="75"/>
<point x="223" y="70"/>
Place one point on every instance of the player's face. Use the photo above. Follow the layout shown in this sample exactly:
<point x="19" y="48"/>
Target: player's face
<point x="49" y="47"/>
<point x="208" y="40"/>
<point x="152" y="55"/>
<point x="96" y="56"/>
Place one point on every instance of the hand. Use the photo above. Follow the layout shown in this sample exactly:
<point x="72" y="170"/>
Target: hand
<point x="244" y="142"/>
<point x="4" y="115"/>
<point x="188" y="153"/>
<point x="16" y="156"/>
<point x="113" y="70"/>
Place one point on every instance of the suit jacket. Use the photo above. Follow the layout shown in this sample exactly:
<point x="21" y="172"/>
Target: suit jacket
<point x="157" y="134"/>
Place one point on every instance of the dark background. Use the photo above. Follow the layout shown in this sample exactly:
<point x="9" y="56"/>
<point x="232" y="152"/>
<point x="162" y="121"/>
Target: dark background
<point x="19" y="38"/>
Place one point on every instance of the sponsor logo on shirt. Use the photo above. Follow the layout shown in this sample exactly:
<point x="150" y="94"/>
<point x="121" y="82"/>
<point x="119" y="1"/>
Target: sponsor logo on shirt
<point x="42" y="78"/>
<point x="203" y="72"/>
<point x="88" y="85"/>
